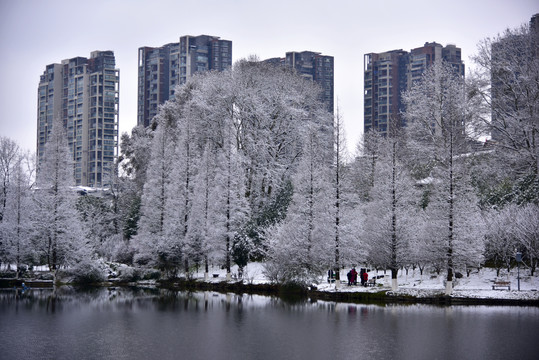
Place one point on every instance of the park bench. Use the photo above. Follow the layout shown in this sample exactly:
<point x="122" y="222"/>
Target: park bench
<point x="501" y="284"/>
<point x="371" y="282"/>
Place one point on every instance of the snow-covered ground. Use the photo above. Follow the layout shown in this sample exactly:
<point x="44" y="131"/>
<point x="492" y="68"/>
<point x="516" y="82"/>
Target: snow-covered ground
<point x="477" y="285"/>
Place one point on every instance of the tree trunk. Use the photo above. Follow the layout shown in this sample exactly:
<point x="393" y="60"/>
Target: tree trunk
<point x="227" y="260"/>
<point x="338" y="144"/>
<point x="311" y="210"/>
<point x="394" y="263"/>
<point x="394" y="284"/>
<point x="449" y="284"/>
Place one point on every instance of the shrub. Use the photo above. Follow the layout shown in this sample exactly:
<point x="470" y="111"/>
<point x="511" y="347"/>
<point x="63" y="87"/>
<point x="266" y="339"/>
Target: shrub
<point x="129" y="274"/>
<point x="87" y="272"/>
<point x="123" y="253"/>
<point x="8" y="274"/>
<point x="151" y="274"/>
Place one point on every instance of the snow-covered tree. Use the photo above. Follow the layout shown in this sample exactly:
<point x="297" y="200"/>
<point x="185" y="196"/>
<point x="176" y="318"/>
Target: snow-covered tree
<point x="426" y="247"/>
<point x="437" y="111"/>
<point x="511" y="229"/>
<point x="179" y="193"/>
<point x="223" y="153"/>
<point x="15" y="225"/>
<point x="526" y="230"/>
<point x="393" y="198"/>
<point x="499" y="243"/>
<point x="234" y="207"/>
<point x="266" y="108"/>
<point x="56" y="228"/>
<point x="507" y="83"/>
<point x="151" y="240"/>
<point x="98" y="217"/>
<point x="271" y="106"/>
<point x="198" y="236"/>
<point x="135" y="154"/>
<point x="133" y="162"/>
<point x="363" y="167"/>
<point x="339" y="160"/>
<point x="9" y="153"/>
<point x="302" y="245"/>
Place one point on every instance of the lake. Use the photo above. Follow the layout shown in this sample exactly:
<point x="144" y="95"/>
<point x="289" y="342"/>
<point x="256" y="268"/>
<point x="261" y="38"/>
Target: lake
<point x="125" y="323"/>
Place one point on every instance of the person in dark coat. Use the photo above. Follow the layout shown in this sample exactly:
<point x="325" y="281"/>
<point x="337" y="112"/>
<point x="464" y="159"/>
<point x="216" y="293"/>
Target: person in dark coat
<point x="349" y="276"/>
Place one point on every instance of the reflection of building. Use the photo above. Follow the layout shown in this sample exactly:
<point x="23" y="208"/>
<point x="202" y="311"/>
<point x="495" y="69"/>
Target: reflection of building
<point x="161" y="69"/>
<point x="84" y="94"/>
<point x="312" y="66"/>
<point x="388" y="74"/>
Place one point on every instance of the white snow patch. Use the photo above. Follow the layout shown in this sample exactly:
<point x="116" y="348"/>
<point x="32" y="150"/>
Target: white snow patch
<point x="477" y="285"/>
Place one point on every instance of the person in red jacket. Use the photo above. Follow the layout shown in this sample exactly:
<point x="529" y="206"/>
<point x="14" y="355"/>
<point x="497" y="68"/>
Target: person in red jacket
<point x="365" y="278"/>
<point x="353" y="276"/>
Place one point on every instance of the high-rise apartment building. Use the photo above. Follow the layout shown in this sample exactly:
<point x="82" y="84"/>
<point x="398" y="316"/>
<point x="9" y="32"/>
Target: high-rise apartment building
<point x="161" y="69"/>
<point x="384" y="79"/>
<point x="315" y="67"/>
<point x="312" y="66"/>
<point x="84" y="94"/>
<point x="388" y="74"/>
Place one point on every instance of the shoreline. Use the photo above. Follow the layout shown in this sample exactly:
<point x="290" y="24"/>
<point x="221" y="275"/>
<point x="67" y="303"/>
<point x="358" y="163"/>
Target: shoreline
<point x="382" y="296"/>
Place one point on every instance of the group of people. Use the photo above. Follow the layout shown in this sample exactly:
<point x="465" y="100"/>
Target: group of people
<point x="352" y="277"/>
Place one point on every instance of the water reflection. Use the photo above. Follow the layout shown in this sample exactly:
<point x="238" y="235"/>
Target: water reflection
<point x="141" y="323"/>
<point x="134" y="298"/>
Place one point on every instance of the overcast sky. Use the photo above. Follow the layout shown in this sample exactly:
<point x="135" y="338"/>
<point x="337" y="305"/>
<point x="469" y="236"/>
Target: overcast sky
<point x="35" y="33"/>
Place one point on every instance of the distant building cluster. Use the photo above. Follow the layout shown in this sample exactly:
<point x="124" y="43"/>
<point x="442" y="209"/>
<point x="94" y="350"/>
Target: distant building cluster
<point x="84" y="92"/>
<point x="312" y="66"/>
<point x="161" y="69"/>
<point x="388" y="74"/>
